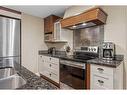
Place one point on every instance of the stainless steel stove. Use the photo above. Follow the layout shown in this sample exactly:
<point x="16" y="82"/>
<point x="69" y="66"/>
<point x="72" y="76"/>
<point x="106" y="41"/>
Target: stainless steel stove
<point x="86" y="53"/>
<point x="73" y="73"/>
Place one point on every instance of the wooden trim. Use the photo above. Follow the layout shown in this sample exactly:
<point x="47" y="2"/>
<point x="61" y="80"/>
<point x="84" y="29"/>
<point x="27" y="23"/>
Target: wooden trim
<point x="102" y="16"/>
<point x="88" y="76"/>
<point x="10" y="17"/>
<point x="95" y="15"/>
<point x="57" y="84"/>
<point x="10" y="10"/>
<point x="54" y="16"/>
<point x="48" y="33"/>
<point x="91" y="9"/>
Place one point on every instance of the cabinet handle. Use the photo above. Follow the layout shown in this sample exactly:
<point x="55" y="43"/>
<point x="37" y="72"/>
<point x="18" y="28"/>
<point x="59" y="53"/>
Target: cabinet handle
<point x="100" y="81"/>
<point x="50" y="65"/>
<point x="100" y="69"/>
<point x="50" y="75"/>
<point x="50" y="58"/>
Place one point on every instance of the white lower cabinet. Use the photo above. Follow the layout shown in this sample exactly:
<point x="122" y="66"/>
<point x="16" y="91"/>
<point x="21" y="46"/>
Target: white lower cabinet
<point x="102" y="77"/>
<point x="102" y="82"/>
<point x="49" y="67"/>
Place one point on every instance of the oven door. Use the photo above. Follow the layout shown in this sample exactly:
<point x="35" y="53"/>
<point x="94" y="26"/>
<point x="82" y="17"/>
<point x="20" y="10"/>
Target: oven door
<point x="72" y="76"/>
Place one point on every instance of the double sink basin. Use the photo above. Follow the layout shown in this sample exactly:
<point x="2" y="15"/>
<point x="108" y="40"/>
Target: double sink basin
<point x="9" y="79"/>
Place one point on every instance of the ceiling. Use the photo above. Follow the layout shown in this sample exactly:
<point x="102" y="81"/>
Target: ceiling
<point x="41" y="11"/>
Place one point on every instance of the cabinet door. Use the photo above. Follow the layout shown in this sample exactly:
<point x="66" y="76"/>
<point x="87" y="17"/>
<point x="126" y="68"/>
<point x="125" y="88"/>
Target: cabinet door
<point x="42" y="65"/>
<point x="49" y="67"/>
<point x="53" y="76"/>
<point x="49" y="23"/>
<point x="102" y="70"/>
<point x="101" y="82"/>
<point x="101" y="77"/>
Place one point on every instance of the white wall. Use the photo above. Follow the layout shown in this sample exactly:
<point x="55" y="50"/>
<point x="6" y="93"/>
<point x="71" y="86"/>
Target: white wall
<point x="68" y="36"/>
<point x="32" y="41"/>
<point x="115" y="29"/>
<point x="75" y="10"/>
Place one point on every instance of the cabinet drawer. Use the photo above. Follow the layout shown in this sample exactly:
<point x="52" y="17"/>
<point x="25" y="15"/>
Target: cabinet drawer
<point x="51" y="75"/>
<point x="45" y="73"/>
<point x="102" y="83"/>
<point x="41" y="57"/>
<point x="49" y="67"/>
<point x="51" y="59"/>
<point x="53" y="66"/>
<point x="101" y="70"/>
<point x="54" y="60"/>
<point x="54" y="77"/>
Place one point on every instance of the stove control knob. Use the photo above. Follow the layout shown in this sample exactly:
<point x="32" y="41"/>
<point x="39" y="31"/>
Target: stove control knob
<point x="104" y="46"/>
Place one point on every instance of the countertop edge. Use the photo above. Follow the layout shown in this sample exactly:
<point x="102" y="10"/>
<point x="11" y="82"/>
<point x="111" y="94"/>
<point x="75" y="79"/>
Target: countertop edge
<point x="90" y="61"/>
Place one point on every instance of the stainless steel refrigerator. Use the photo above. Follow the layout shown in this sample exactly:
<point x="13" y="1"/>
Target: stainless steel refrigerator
<point x="9" y="41"/>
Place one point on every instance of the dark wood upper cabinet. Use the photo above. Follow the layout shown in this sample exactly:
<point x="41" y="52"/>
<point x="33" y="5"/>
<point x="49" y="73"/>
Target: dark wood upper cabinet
<point x="95" y="15"/>
<point x="49" y="23"/>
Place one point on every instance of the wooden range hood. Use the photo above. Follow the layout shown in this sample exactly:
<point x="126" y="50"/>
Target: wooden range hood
<point x="92" y="17"/>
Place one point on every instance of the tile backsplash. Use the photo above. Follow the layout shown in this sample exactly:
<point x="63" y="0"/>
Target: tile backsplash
<point x="92" y="36"/>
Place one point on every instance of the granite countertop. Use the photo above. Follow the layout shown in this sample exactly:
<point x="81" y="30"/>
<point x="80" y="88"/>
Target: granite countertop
<point x="62" y="56"/>
<point x="33" y="81"/>
<point x="99" y="61"/>
<point x="105" y="62"/>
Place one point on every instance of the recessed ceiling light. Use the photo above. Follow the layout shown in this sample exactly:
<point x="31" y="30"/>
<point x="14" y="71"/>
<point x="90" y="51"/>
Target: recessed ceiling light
<point x="74" y="26"/>
<point x="84" y="24"/>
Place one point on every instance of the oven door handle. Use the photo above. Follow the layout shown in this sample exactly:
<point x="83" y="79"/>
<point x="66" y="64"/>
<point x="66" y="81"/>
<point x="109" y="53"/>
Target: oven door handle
<point x="77" y="65"/>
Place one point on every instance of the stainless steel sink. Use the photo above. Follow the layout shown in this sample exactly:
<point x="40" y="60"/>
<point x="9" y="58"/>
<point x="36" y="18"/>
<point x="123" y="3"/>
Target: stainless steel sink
<point x="6" y="72"/>
<point x="12" y="82"/>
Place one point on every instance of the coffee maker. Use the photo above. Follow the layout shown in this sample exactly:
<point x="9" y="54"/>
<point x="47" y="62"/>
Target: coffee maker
<point x="108" y="50"/>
